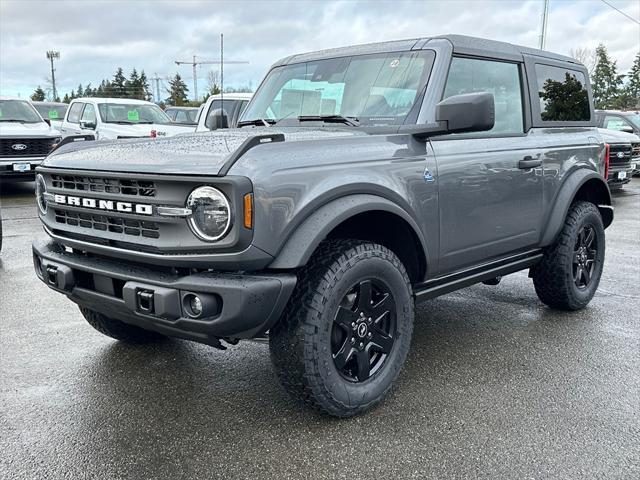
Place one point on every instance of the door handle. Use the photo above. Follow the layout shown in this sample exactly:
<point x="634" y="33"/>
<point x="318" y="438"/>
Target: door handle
<point x="529" y="162"/>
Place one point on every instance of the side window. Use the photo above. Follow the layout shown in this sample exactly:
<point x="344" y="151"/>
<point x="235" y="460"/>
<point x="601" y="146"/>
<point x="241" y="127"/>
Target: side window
<point x="613" y="122"/>
<point x="89" y="114"/>
<point x="171" y="113"/>
<point x="74" y="112"/>
<point x="181" y="117"/>
<point x="468" y="75"/>
<point x="227" y="107"/>
<point x="563" y="94"/>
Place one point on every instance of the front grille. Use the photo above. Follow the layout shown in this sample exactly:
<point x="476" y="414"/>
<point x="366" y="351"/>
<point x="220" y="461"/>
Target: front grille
<point x="620" y="155"/>
<point x="117" y="186"/>
<point x="635" y="150"/>
<point x="25" y="147"/>
<point x="135" y="228"/>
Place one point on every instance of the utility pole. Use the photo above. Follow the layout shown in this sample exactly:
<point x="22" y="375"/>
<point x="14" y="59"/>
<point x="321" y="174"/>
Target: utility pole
<point x="51" y="55"/>
<point x="156" y="93"/>
<point x="194" y="63"/>
<point x="543" y="25"/>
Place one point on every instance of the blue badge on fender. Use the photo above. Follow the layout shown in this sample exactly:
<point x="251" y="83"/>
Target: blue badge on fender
<point x="428" y="177"/>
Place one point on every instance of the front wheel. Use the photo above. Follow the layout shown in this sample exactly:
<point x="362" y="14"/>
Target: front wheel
<point x="345" y="334"/>
<point x="569" y="274"/>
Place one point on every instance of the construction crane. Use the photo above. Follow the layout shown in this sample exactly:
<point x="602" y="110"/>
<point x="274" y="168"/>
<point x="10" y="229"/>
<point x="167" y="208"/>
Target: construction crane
<point x="194" y="63"/>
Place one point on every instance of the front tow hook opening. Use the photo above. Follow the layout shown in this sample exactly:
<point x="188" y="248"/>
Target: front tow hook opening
<point x="144" y="300"/>
<point x="52" y="275"/>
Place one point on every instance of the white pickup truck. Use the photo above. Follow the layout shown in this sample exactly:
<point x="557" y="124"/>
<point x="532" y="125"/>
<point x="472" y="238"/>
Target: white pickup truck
<point x="25" y="139"/>
<point x="118" y="118"/>
<point x="233" y="104"/>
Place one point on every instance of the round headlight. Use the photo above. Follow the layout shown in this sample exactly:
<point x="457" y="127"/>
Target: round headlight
<point x="41" y="189"/>
<point x="210" y="213"/>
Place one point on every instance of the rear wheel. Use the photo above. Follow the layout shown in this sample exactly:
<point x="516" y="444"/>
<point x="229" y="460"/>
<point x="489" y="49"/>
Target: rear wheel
<point x="346" y="332"/>
<point x="569" y="274"/>
<point x="117" y="329"/>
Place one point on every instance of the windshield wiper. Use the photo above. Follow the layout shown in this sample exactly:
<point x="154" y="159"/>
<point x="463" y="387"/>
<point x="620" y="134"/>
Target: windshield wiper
<point x="14" y="120"/>
<point x="121" y="122"/>
<point x="351" y="121"/>
<point x="260" y="122"/>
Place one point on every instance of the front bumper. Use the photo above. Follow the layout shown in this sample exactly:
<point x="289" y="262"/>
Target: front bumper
<point x="235" y="305"/>
<point x="7" y="171"/>
<point x="615" y="174"/>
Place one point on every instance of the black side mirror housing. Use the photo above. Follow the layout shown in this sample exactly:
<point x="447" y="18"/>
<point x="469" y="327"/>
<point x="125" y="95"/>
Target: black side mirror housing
<point x="626" y="129"/>
<point x="88" y="125"/>
<point x="220" y="119"/>
<point x="469" y="112"/>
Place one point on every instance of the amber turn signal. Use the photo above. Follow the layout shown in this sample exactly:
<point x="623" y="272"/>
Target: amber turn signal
<point x="248" y="210"/>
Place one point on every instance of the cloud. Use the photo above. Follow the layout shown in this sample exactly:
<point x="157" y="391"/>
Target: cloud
<point x="95" y="37"/>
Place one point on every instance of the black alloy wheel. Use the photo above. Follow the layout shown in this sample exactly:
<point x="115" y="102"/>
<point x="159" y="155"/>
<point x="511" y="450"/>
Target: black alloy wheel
<point x="584" y="256"/>
<point x="364" y="330"/>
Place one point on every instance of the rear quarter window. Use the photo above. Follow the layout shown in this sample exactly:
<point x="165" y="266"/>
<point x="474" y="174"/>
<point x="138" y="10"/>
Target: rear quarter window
<point x="562" y="94"/>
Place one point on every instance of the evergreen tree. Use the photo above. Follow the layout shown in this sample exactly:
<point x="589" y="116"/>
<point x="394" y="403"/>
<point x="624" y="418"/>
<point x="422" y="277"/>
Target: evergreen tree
<point x="606" y="81"/>
<point x="72" y="95"/>
<point x="177" y="91"/>
<point x="133" y="85"/>
<point x="66" y="98"/>
<point x="632" y="89"/>
<point x="118" y="86"/>
<point x="88" y="91"/>
<point x="144" y="86"/>
<point x="80" y="91"/>
<point x="38" y="95"/>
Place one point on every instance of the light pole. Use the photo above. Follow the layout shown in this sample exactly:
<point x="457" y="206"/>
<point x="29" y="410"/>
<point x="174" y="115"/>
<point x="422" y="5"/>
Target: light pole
<point x="543" y="25"/>
<point x="52" y="55"/>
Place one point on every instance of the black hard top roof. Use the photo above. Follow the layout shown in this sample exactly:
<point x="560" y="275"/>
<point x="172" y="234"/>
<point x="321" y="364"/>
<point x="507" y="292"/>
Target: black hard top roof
<point x="462" y="44"/>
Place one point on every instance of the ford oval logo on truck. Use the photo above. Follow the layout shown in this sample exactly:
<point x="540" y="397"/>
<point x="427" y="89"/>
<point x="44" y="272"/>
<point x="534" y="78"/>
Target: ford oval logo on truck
<point x="19" y="146"/>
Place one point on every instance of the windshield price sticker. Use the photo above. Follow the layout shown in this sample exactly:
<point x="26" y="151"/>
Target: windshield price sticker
<point x="133" y="116"/>
<point x="53" y="114"/>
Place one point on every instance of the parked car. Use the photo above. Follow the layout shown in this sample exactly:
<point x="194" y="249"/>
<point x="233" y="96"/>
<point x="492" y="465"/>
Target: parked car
<point x="216" y="107"/>
<point x="54" y="112"/>
<point x="25" y="139"/>
<point x="119" y="118"/>
<point x="185" y="115"/>
<point x="627" y="122"/>
<point x="391" y="172"/>
<point x="624" y="156"/>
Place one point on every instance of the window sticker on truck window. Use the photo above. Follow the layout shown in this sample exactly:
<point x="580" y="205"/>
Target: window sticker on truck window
<point x="53" y="114"/>
<point x="133" y="116"/>
<point x="394" y="63"/>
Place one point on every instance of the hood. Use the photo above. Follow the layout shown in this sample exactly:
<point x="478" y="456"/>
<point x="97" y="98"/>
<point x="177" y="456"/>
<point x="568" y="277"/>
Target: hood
<point x="144" y="130"/>
<point x="613" y="136"/>
<point x="199" y="153"/>
<point x="18" y="130"/>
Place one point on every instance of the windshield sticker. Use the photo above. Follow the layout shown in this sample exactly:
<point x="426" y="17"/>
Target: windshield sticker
<point x="394" y="63"/>
<point x="53" y="114"/>
<point x="133" y="116"/>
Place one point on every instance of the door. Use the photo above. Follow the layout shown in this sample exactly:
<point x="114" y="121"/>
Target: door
<point x="490" y="184"/>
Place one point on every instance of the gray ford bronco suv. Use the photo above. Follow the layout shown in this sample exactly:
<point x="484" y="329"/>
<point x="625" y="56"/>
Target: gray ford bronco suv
<point x="358" y="181"/>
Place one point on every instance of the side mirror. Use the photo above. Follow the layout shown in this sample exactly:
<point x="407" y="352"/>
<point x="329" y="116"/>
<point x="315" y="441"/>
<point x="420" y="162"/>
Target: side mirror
<point x="626" y="129"/>
<point x="470" y="112"/>
<point x="88" y="125"/>
<point x="219" y="119"/>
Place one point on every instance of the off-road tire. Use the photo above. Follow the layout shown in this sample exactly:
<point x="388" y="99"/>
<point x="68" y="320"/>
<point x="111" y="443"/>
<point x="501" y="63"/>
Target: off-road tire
<point x="119" y="330"/>
<point x="300" y="343"/>
<point x="553" y="277"/>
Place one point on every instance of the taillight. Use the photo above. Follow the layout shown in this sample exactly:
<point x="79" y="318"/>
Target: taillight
<point x="154" y="134"/>
<point x="606" y="160"/>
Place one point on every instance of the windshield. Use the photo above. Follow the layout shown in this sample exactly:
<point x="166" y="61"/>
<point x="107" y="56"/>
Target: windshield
<point x="131" y="113"/>
<point x="634" y="118"/>
<point x="379" y="89"/>
<point x="18" y="111"/>
<point x="52" y="112"/>
<point x="186" y="116"/>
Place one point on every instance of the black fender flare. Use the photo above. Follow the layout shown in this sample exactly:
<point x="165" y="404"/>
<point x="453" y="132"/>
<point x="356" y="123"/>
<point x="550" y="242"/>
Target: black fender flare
<point x="304" y="240"/>
<point x="567" y="194"/>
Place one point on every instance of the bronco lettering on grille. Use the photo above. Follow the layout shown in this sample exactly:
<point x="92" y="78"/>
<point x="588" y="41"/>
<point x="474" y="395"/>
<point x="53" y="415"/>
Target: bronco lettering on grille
<point x="110" y="205"/>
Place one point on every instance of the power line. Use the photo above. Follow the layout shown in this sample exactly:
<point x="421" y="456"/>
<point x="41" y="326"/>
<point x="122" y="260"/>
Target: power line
<point x="620" y="11"/>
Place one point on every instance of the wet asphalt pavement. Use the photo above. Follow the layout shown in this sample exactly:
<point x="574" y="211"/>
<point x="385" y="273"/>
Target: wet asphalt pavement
<point x="496" y="386"/>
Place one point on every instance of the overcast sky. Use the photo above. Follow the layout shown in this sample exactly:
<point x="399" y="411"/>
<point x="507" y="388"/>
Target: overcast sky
<point x="94" y="37"/>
